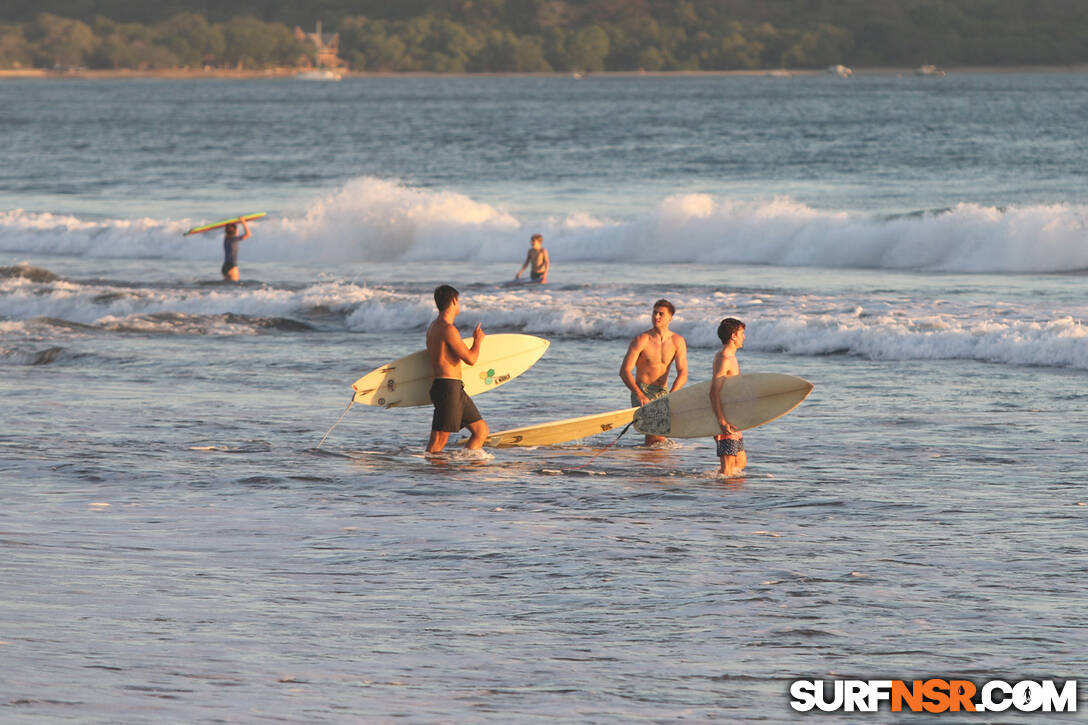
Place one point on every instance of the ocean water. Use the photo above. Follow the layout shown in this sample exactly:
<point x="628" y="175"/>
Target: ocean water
<point x="177" y="548"/>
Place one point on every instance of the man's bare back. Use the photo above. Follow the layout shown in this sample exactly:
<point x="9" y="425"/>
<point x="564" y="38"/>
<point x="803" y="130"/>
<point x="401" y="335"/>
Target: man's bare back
<point x="445" y="360"/>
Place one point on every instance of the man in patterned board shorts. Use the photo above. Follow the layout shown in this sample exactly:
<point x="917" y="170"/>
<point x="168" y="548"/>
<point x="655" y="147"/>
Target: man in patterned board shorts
<point x="730" y="442"/>
<point x="651" y="354"/>
<point x="453" y="409"/>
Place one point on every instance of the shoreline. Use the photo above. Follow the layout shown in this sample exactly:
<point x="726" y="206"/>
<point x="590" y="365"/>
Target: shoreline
<point x="225" y="74"/>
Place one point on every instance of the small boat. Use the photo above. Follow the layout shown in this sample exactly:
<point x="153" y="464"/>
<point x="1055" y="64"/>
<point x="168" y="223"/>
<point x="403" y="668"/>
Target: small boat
<point x="319" y="74"/>
<point x="929" y="70"/>
<point x="840" y="70"/>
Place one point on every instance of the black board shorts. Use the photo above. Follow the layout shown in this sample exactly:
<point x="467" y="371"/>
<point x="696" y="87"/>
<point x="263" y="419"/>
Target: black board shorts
<point x="453" y="409"/>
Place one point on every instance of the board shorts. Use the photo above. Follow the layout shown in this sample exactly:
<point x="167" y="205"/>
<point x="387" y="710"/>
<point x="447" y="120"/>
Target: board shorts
<point x="653" y="392"/>
<point x="453" y="409"/>
<point x="227" y="267"/>
<point x="728" y="445"/>
<point x="536" y="276"/>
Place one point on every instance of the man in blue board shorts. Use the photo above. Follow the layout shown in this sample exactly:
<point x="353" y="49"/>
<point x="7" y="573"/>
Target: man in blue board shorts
<point x="231" y="240"/>
<point x="453" y="409"/>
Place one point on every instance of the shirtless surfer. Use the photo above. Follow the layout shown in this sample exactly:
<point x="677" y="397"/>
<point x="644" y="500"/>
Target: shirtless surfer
<point x="730" y="443"/>
<point x="231" y="240"/>
<point x="651" y="354"/>
<point x="536" y="260"/>
<point x="453" y="409"/>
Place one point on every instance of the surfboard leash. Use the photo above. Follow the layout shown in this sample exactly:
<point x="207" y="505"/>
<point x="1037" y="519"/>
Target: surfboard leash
<point x="598" y="453"/>
<point x="337" y="421"/>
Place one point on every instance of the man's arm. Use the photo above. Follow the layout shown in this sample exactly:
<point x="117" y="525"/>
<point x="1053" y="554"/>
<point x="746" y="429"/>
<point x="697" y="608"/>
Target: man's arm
<point x="629" y="359"/>
<point x="547" y="265"/>
<point x="525" y="264"/>
<point x="681" y="364"/>
<point x="467" y="355"/>
<point x="246" y="227"/>
<point x="720" y="367"/>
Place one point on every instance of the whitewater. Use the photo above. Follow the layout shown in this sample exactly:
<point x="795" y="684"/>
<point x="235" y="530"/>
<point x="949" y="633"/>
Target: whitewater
<point x="377" y="220"/>
<point x="179" y="548"/>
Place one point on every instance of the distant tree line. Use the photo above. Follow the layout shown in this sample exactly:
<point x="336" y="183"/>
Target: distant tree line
<point x="545" y="35"/>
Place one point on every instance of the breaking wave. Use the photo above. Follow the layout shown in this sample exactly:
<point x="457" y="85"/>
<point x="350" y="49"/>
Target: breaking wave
<point x="374" y="220"/>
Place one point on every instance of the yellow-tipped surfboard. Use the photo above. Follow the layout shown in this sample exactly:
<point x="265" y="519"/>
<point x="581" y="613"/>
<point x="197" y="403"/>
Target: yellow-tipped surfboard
<point x="561" y="431"/>
<point x="225" y="222"/>
<point x="407" y="381"/>
<point x="748" y="401"/>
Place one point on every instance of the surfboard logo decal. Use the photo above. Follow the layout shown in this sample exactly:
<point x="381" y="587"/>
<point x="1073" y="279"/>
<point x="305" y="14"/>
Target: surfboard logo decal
<point x="488" y="376"/>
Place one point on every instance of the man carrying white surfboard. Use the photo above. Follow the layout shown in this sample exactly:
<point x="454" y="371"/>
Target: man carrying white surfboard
<point x="651" y="354"/>
<point x="730" y="443"/>
<point x="453" y="409"/>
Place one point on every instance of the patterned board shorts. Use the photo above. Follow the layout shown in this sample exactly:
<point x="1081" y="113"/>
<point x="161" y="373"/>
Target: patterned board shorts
<point x="729" y="446"/>
<point x="653" y="392"/>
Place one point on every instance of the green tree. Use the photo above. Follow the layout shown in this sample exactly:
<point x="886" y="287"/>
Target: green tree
<point x="827" y="45"/>
<point x="651" y="59"/>
<point x="588" y="49"/>
<point x="128" y="45"/>
<point x="369" y="47"/>
<point x="737" y="52"/>
<point x="60" y="42"/>
<point x="252" y="43"/>
<point x="506" y="52"/>
<point x="192" y="39"/>
<point x="15" y="51"/>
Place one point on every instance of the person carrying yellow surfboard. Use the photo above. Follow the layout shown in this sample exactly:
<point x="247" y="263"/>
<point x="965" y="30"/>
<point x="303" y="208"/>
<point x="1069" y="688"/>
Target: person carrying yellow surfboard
<point x="231" y="240"/>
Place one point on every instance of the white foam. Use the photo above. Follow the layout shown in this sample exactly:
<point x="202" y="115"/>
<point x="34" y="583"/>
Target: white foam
<point x="871" y="326"/>
<point x="374" y="220"/>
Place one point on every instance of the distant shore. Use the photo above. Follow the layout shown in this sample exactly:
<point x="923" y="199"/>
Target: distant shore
<point x="219" y="73"/>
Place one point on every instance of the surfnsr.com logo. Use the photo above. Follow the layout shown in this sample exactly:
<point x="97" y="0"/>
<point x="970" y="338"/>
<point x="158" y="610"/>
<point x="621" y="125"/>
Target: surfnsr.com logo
<point x="933" y="695"/>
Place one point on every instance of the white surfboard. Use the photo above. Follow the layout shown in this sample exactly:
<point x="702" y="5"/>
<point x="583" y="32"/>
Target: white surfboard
<point x="407" y="381"/>
<point x="748" y="400"/>
<point x="561" y="431"/>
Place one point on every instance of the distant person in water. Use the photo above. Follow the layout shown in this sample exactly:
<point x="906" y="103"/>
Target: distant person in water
<point x="453" y="409"/>
<point x="730" y="443"/>
<point x="231" y="240"/>
<point x="651" y="354"/>
<point x="536" y="260"/>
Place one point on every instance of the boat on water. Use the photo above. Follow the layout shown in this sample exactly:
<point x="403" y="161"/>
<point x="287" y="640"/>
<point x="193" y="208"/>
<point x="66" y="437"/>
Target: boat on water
<point x="929" y="70"/>
<point x="318" y="74"/>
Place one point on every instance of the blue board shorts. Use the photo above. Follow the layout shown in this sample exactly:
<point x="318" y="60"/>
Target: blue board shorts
<point x="453" y="409"/>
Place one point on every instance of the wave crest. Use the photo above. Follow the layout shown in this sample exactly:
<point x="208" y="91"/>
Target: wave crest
<point x="375" y="220"/>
